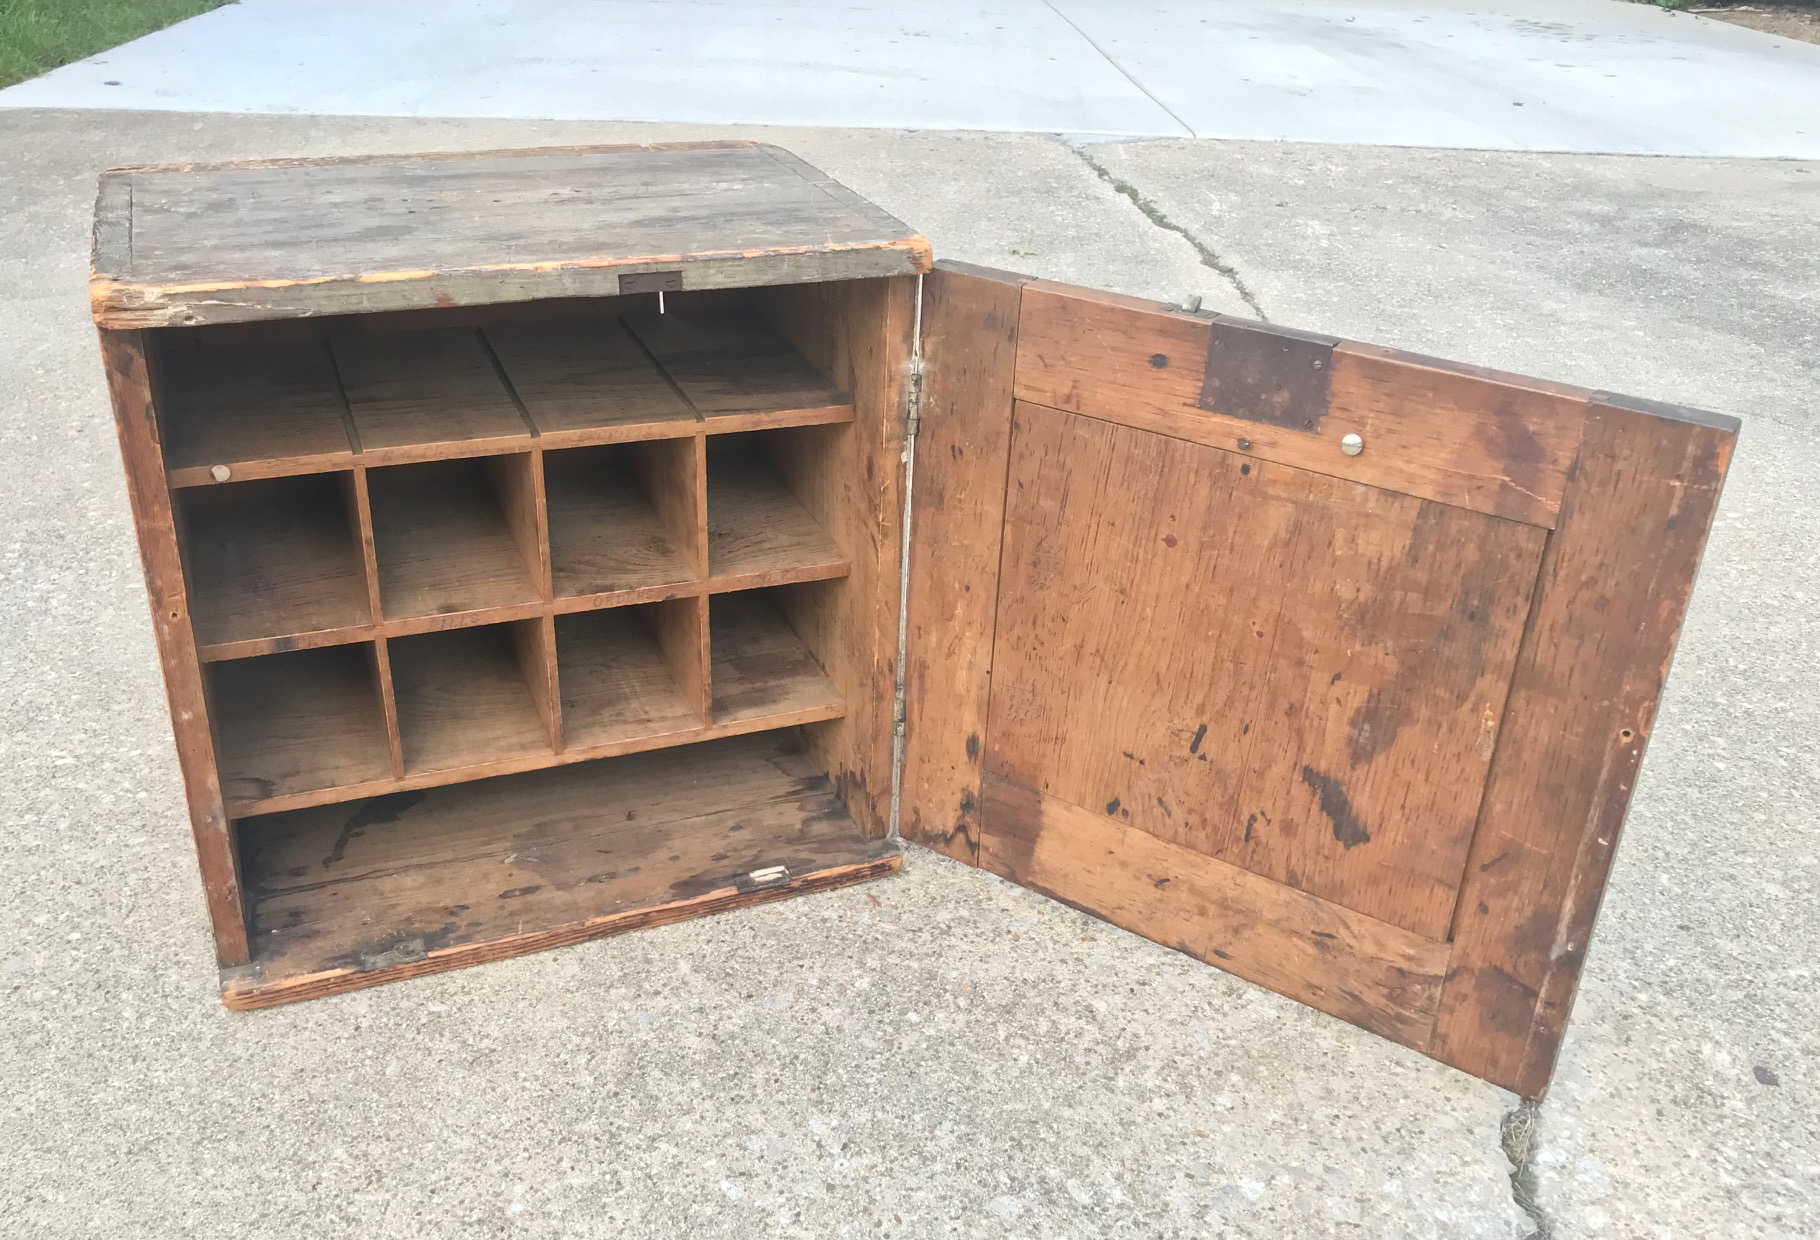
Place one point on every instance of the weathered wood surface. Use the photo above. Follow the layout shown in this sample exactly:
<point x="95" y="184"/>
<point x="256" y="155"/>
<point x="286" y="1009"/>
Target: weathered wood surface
<point x="355" y="895"/>
<point x="130" y="384"/>
<point x="1364" y="971"/>
<point x="1296" y="674"/>
<point x="606" y="533"/>
<point x="1409" y="686"/>
<point x="850" y="480"/>
<point x="467" y="696"/>
<point x="970" y="326"/>
<point x="274" y="558"/>
<point x="306" y="722"/>
<point x="1472" y="438"/>
<point x="617" y="682"/>
<point x="193" y="244"/>
<point x="1614" y="585"/>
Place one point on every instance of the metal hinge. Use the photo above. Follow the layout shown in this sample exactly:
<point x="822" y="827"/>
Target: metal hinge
<point x="913" y="403"/>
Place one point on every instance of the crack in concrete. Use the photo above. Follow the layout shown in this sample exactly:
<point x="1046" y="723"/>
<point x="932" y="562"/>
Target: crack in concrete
<point x="1210" y="258"/>
<point x="1518" y="1136"/>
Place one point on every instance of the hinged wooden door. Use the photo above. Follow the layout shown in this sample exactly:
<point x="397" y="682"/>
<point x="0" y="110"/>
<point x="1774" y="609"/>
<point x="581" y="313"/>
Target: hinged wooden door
<point x="1327" y="664"/>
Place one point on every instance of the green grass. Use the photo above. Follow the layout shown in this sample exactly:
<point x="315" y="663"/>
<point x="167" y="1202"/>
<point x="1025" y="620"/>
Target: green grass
<point x="38" y="35"/>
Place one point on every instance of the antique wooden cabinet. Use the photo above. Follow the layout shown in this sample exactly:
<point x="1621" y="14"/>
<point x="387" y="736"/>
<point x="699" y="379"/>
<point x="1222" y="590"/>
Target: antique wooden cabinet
<point x="544" y="544"/>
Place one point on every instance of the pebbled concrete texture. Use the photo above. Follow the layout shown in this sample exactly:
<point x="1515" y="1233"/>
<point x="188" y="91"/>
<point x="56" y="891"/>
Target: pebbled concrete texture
<point x="941" y="1053"/>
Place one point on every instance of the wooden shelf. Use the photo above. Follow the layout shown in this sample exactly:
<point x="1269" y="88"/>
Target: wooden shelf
<point x="466" y="697"/>
<point x="760" y="668"/>
<point x="278" y="558"/>
<point x="454" y="536"/>
<point x="348" y="896"/>
<point x="622" y="518"/>
<point x="617" y="683"/>
<point x="738" y="373"/>
<point x="258" y="412"/>
<point x="297" y="722"/>
<point x="588" y="382"/>
<point x="413" y="392"/>
<point x="758" y="533"/>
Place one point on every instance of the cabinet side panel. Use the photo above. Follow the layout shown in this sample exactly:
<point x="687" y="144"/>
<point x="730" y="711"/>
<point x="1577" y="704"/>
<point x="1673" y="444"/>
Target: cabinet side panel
<point x="135" y="421"/>
<point x="1615" y="582"/>
<point x="858" y="333"/>
<point x="970" y="330"/>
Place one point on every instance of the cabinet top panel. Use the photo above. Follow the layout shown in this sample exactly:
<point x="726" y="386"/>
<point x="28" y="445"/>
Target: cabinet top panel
<point x="184" y="245"/>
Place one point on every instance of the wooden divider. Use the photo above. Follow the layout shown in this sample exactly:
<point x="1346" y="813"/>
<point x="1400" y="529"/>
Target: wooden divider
<point x="529" y="575"/>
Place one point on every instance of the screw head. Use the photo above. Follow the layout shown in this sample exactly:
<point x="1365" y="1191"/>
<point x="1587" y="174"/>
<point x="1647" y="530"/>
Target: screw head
<point x="220" y="473"/>
<point x="1352" y="445"/>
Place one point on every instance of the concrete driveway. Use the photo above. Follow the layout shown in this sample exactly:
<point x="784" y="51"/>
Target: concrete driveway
<point x="943" y="1054"/>
<point x="1551" y="75"/>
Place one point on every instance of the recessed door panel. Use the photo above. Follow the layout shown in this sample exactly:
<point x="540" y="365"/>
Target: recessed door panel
<point x="1298" y="675"/>
<point x="1327" y="664"/>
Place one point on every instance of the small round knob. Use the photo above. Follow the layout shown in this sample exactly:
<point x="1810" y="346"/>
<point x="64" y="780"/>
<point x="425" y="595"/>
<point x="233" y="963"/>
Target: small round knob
<point x="220" y="473"/>
<point x="1352" y="445"/>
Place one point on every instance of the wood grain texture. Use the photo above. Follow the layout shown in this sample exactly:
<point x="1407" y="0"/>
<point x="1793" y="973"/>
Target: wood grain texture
<point x="517" y="482"/>
<point x="673" y="474"/>
<point x="588" y="381"/>
<point x="410" y="389"/>
<point x="1363" y="971"/>
<point x="443" y="541"/>
<point x="274" y="559"/>
<point x="1614" y="585"/>
<point x="401" y="232"/>
<point x="607" y="533"/>
<point x="534" y="646"/>
<point x="259" y="413"/>
<point x="354" y="895"/>
<point x="1296" y="674"/>
<point x="758" y="533"/>
<point x="762" y="668"/>
<point x="728" y="363"/>
<point x="618" y="682"/>
<point x="859" y="334"/>
<point x="969" y="346"/>
<point x="1473" y="439"/>
<point x="130" y="386"/>
<point x="307" y="721"/>
<point x="681" y="628"/>
<point x="464" y="698"/>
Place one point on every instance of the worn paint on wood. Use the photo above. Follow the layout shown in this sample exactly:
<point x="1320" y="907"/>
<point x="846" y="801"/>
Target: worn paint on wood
<point x="219" y="243"/>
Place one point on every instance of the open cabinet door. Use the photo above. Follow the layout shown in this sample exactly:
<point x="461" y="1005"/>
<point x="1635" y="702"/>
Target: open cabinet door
<point x="1329" y="665"/>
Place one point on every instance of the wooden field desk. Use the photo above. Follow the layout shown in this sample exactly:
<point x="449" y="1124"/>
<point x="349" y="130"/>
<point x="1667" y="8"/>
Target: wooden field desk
<point x="526" y="537"/>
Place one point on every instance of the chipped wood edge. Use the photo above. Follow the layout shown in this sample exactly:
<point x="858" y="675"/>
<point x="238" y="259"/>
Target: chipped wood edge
<point x="118" y="303"/>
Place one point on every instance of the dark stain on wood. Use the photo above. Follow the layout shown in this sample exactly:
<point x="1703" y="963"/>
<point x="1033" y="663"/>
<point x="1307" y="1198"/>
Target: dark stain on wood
<point x="1264" y="373"/>
<point x="1347" y="828"/>
<point x="372" y="812"/>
